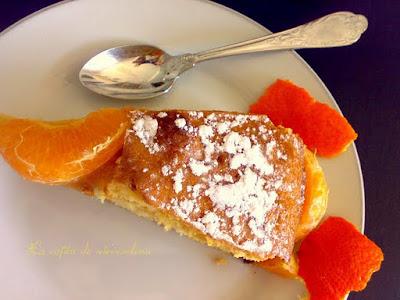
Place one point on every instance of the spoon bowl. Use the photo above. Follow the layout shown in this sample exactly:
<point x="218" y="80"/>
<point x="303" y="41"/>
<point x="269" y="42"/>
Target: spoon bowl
<point x="128" y="72"/>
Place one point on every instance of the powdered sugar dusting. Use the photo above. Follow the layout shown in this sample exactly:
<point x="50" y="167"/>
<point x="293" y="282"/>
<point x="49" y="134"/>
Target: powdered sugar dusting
<point x="246" y="154"/>
<point x="146" y="129"/>
<point x="180" y="123"/>
<point x="244" y="196"/>
<point x="162" y="114"/>
<point x="212" y="222"/>
<point x="178" y="178"/>
<point x="236" y="143"/>
<point x="198" y="167"/>
<point x="166" y="170"/>
<point x="227" y="177"/>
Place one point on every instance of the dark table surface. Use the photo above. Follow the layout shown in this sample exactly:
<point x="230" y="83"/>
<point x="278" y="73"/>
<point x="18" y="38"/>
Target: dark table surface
<point x="365" y="81"/>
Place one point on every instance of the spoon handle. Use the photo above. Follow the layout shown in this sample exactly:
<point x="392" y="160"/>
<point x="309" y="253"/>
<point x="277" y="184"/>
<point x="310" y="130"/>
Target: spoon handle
<point x="334" y="30"/>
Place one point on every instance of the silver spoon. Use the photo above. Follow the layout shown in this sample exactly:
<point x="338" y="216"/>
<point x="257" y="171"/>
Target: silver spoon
<point x="143" y="71"/>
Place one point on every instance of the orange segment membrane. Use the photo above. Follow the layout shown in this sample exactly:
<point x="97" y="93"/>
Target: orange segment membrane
<point x="322" y="128"/>
<point x="336" y="259"/>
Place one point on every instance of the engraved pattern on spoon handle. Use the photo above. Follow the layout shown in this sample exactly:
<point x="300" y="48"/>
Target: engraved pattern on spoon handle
<point x="334" y="30"/>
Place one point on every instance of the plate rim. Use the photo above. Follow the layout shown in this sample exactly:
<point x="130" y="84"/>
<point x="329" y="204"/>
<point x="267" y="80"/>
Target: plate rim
<point x="295" y="54"/>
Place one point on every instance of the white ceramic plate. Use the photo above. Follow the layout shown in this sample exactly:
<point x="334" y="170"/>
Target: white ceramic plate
<point x="40" y="58"/>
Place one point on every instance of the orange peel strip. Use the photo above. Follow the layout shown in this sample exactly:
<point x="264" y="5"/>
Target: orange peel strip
<point x="336" y="258"/>
<point x="322" y="128"/>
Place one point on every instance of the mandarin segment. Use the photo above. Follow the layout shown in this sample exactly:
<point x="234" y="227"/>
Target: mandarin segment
<point x="315" y="196"/>
<point x="288" y="269"/>
<point x="322" y="128"/>
<point x="62" y="151"/>
<point x="336" y="258"/>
